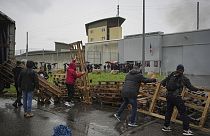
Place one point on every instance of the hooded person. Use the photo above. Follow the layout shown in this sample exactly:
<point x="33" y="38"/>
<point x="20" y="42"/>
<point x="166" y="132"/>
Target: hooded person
<point x="174" y="84"/>
<point x="28" y="82"/>
<point x="71" y="76"/>
<point x="129" y="93"/>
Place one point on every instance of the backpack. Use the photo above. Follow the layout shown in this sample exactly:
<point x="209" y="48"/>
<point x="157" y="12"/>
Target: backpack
<point x="174" y="83"/>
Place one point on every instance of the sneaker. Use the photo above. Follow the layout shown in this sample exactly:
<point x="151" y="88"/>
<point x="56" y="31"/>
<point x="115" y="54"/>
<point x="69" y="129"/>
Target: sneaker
<point x="166" y="129"/>
<point x="29" y="115"/>
<point x="132" y="125"/>
<point x="69" y="104"/>
<point x="187" y="132"/>
<point x="15" y="105"/>
<point x="117" y="117"/>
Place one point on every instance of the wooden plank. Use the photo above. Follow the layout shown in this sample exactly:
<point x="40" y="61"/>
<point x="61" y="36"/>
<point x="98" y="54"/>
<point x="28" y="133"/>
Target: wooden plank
<point x="173" y="120"/>
<point x="195" y="96"/>
<point x="154" y="99"/>
<point x="205" y="112"/>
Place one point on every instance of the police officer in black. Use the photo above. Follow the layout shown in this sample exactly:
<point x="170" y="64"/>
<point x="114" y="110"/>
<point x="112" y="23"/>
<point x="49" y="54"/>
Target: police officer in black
<point x="174" y="84"/>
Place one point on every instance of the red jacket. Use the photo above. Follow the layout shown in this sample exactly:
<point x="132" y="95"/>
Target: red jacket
<point x="71" y="74"/>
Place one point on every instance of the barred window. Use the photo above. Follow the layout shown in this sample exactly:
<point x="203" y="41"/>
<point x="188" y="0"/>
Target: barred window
<point x="147" y="63"/>
<point x="155" y="63"/>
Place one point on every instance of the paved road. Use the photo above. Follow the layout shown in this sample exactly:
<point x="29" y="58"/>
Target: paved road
<point x="84" y="120"/>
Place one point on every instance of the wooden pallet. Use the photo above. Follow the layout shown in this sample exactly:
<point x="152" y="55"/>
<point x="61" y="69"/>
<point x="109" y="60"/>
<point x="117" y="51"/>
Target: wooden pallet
<point x="6" y="74"/>
<point x="155" y="98"/>
<point x="48" y="90"/>
<point x="107" y="92"/>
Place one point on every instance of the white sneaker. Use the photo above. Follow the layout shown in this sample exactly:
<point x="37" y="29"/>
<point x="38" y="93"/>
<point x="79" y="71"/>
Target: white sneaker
<point x="187" y="132"/>
<point x="69" y="104"/>
<point x="117" y="117"/>
<point x="132" y="125"/>
<point x="166" y="129"/>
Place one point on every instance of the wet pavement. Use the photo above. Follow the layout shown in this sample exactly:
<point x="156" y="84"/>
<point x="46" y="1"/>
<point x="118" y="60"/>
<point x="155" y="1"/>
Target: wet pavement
<point x="82" y="119"/>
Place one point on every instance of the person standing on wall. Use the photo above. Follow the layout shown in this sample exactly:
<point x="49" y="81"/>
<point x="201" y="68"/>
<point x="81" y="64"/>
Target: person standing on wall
<point x="174" y="84"/>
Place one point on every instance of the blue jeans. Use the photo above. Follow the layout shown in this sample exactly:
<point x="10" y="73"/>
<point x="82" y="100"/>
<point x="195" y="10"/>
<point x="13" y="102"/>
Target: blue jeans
<point x="27" y="101"/>
<point x="133" y="102"/>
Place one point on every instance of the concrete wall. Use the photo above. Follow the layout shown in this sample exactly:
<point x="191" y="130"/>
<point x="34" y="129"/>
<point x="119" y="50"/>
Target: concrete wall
<point x="115" y="33"/>
<point x="188" y="48"/>
<point x="60" y="58"/>
<point x="100" y="52"/>
<point x="61" y="47"/>
<point x="130" y="49"/>
<point x="97" y="31"/>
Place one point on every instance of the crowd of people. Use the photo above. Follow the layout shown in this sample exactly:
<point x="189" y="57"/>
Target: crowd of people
<point x="125" y="68"/>
<point x="26" y="81"/>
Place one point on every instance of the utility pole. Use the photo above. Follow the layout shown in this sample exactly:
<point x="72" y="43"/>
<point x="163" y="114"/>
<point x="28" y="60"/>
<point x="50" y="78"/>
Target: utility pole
<point x="27" y="45"/>
<point x="197" y="15"/>
<point x="143" y="40"/>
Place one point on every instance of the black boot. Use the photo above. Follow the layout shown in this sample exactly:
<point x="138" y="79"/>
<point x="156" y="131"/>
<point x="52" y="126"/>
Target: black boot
<point x="20" y="104"/>
<point x="15" y="104"/>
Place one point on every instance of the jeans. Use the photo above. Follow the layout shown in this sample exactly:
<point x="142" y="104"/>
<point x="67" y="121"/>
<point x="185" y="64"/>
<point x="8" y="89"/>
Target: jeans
<point x="173" y="100"/>
<point x="71" y="91"/>
<point x="133" y="102"/>
<point x="27" y="101"/>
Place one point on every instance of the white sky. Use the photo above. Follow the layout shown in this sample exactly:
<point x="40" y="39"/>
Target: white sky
<point x="48" y="21"/>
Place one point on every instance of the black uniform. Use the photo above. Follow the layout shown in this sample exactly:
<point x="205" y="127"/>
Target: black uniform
<point x="174" y="97"/>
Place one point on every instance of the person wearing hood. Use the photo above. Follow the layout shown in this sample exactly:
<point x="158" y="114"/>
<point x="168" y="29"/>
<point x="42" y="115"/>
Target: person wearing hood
<point x="174" y="84"/>
<point x="28" y="82"/>
<point x="129" y="93"/>
<point x="71" y="76"/>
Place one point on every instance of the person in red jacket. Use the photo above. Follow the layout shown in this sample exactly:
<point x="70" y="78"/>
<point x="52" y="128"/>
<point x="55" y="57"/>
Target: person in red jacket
<point x="71" y="76"/>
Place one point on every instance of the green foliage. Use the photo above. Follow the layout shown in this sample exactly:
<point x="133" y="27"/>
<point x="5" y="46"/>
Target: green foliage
<point x="105" y="76"/>
<point x="11" y="90"/>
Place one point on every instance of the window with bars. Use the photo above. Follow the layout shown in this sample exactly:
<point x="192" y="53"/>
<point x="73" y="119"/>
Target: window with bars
<point x="147" y="63"/>
<point x="155" y="63"/>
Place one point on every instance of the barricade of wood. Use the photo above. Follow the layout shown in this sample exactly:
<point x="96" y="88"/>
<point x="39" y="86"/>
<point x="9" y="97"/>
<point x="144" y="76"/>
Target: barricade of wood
<point x="108" y="92"/>
<point x="48" y="90"/>
<point x="6" y="74"/>
<point x="152" y="102"/>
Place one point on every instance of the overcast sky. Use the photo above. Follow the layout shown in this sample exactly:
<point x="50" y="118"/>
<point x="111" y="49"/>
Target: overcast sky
<point x="49" y="21"/>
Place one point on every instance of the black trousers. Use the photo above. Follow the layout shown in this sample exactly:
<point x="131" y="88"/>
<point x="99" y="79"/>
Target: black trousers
<point x="71" y="91"/>
<point x="19" y="94"/>
<point x="173" y="100"/>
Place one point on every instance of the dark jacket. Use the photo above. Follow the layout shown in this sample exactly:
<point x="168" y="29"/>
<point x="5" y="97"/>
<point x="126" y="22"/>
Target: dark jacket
<point x="132" y="83"/>
<point x="182" y="81"/>
<point x="28" y="80"/>
<point x="16" y="72"/>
